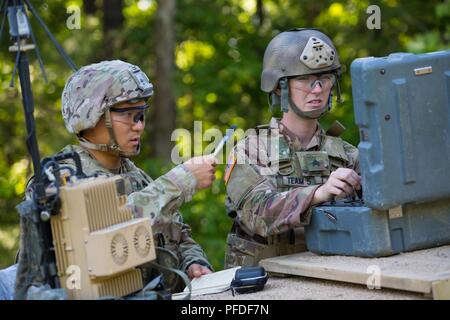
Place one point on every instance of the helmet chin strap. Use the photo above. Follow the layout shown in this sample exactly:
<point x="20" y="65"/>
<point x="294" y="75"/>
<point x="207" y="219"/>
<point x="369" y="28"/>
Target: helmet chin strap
<point x="313" y="114"/>
<point x="112" y="145"/>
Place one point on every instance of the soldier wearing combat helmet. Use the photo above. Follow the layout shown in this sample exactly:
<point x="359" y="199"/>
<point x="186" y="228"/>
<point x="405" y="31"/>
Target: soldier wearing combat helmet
<point x="271" y="190"/>
<point x="104" y="105"/>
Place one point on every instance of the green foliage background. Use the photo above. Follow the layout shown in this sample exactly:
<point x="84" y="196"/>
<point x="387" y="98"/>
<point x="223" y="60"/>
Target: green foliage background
<point x="219" y="50"/>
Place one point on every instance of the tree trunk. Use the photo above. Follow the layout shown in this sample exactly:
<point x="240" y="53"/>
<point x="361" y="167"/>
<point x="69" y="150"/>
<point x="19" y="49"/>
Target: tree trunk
<point x="164" y="110"/>
<point x="260" y="12"/>
<point x="90" y="7"/>
<point x="112" y="24"/>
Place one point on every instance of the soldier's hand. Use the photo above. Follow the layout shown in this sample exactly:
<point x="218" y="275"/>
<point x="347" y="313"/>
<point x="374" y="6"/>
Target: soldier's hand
<point x="203" y="168"/>
<point x="196" y="270"/>
<point x="341" y="183"/>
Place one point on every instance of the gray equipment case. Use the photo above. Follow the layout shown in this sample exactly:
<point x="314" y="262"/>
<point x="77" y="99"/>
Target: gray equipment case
<point x="402" y="108"/>
<point x="350" y="228"/>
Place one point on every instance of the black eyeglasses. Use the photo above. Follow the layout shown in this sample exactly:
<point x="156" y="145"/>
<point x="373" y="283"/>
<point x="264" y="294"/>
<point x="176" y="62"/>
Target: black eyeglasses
<point x="130" y="115"/>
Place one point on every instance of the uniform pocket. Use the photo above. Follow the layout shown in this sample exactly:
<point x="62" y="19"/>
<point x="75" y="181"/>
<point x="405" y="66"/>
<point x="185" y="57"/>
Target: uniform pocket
<point x="314" y="163"/>
<point x="336" y="163"/>
<point x="283" y="167"/>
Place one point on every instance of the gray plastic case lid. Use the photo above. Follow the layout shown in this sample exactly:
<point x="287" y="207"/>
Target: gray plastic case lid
<point x="402" y="108"/>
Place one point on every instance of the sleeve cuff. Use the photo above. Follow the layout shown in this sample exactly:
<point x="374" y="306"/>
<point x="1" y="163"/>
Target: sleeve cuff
<point x="184" y="180"/>
<point x="305" y="217"/>
<point x="202" y="262"/>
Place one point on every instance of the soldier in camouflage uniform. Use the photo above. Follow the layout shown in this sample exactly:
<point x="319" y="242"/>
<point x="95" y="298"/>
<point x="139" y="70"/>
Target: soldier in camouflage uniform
<point x="104" y="105"/>
<point x="275" y="176"/>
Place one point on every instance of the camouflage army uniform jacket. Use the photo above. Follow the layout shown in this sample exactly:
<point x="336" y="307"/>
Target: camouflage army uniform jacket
<point x="158" y="199"/>
<point x="270" y="189"/>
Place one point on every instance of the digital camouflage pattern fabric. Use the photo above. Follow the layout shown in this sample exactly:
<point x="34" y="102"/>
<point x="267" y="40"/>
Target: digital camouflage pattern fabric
<point x="158" y="199"/>
<point x="270" y="192"/>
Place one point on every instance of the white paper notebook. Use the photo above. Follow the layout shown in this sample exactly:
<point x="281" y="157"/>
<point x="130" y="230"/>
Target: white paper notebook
<point x="215" y="282"/>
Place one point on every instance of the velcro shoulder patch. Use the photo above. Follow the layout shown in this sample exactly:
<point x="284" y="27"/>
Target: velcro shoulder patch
<point x="241" y="182"/>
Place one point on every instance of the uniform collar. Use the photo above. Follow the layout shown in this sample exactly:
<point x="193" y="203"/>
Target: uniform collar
<point x="124" y="165"/>
<point x="293" y="139"/>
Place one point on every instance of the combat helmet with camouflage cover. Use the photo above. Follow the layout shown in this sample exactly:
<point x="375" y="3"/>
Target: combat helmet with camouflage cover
<point x="92" y="90"/>
<point x="293" y="53"/>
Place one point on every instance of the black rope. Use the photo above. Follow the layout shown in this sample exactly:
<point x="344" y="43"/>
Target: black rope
<point x="52" y="38"/>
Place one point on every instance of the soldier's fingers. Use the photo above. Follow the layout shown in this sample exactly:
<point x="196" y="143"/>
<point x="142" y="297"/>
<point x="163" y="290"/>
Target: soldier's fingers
<point x="357" y="177"/>
<point x="197" y="273"/>
<point x="353" y="188"/>
<point x="205" y="270"/>
<point x="353" y="182"/>
<point x="195" y="270"/>
<point x="343" y="173"/>
<point x="349" y="176"/>
<point x="345" y="187"/>
<point x="211" y="160"/>
<point x="337" y="192"/>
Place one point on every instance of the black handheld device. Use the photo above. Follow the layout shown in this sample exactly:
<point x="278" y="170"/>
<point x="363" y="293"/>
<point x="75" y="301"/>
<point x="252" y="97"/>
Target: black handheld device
<point x="249" y="279"/>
